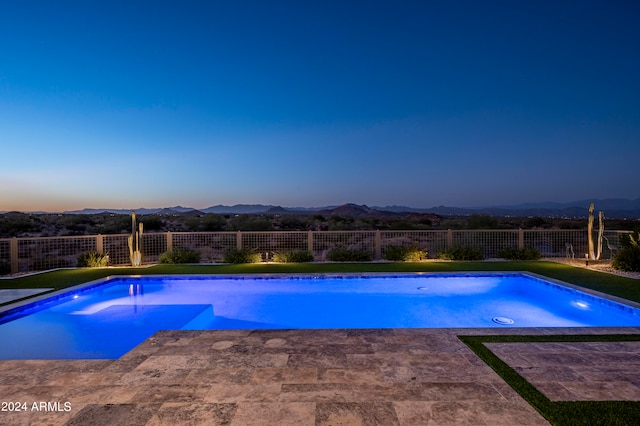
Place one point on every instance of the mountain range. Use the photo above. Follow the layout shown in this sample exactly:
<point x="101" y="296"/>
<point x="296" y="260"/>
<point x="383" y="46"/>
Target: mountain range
<point x="612" y="208"/>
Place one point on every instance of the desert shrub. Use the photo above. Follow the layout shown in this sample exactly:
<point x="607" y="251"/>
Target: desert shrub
<point x="512" y="253"/>
<point x="93" y="259"/>
<point x="293" y="257"/>
<point x="342" y="254"/>
<point x="180" y="255"/>
<point x="244" y="255"/>
<point x="461" y="253"/>
<point x="628" y="257"/>
<point x="630" y="240"/>
<point x="404" y="254"/>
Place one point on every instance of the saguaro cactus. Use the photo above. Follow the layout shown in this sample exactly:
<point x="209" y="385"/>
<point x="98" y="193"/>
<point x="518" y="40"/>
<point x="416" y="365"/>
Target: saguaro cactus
<point x="593" y="255"/>
<point x="134" y="241"/>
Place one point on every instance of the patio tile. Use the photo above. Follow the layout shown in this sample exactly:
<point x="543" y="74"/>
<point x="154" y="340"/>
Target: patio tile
<point x="275" y="413"/>
<point x="174" y="393"/>
<point x="236" y="376"/>
<point x="350" y="413"/>
<point x="580" y="371"/>
<point x="115" y="414"/>
<point x="299" y="377"/>
<point x="193" y="414"/>
<point x="285" y="375"/>
<point x="437" y="413"/>
<point x="230" y="393"/>
<point x="601" y="391"/>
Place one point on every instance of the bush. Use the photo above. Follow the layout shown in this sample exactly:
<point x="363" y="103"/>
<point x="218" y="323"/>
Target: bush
<point x="512" y="253"/>
<point x="461" y="253"/>
<point x="293" y="257"/>
<point x="404" y="254"/>
<point x="341" y="254"/>
<point x="93" y="259"/>
<point x="180" y="255"/>
<point x="627" y="259"/>
<point x="245" y="255"/>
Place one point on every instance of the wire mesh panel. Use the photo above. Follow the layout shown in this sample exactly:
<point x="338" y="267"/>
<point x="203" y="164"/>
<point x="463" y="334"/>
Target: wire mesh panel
<point x="5" y="256"/>
<point x="431" y="242"/>
<point x="323" y="241"/>
<point x="489" y="241"/>
<point x="557" y="242"/>
<point x="117" y="247"/>
<point x="38" y="254"/>
<point x="211" y="245"/>
<point x="152" y="246"/>
<point x="275" y="242"/>
<point x="35" y="254"/>
<point x="613" y="242"/>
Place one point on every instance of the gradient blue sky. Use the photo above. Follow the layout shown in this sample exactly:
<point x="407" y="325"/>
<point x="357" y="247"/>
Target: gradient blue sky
<point x="127" y="104"/>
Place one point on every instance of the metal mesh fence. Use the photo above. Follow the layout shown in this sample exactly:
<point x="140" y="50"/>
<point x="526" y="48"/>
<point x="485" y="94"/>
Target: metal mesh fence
<point x="432" y="242"/>
<point x="152" y="246"/>
<point x="353" y="240"/>
<point x="557" y="243"/>
<point x="36" y="254"/>
<point x="611" y="243"/>
<point x="211" y="245"/>
<point x="117" y="247"/>
<point x="489" y="241"/>
<point x="268" y="243"/>
<point x="5" y="257"/>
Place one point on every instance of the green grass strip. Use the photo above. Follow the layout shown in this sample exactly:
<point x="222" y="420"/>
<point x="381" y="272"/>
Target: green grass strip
<point x="560" y="412"/>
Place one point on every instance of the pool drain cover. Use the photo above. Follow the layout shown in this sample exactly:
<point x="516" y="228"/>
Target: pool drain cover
<point x="503" y="320"/>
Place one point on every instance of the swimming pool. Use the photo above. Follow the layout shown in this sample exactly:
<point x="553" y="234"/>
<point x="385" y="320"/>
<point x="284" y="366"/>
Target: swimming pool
<point x="106" y="319"/>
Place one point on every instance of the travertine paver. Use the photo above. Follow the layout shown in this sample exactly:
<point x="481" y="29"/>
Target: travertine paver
<point x="298" y="377"/>
<point x="577" y="371"/>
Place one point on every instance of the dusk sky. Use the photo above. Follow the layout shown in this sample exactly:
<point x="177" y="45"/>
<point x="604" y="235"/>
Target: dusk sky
<point x="128" y="104"/>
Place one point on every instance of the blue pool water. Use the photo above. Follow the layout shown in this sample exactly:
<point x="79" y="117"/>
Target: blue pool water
<point x="107" y="319"/>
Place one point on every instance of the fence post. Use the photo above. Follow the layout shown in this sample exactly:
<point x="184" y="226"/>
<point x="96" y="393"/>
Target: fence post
<point x="378" y="245"/>
<point x="310" y="242"/>
<point x="449" y="238"/>
<point x="13" y="249"/>
<point x="520" y="238"/>
<point x="169" y="241"/>
<point x="99" y="244"/>
<point x="239" y="240"/>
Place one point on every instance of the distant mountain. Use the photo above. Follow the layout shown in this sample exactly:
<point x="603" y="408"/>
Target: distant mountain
<point x="238" y="209"/>
<point x="604" y="204"/>
<point x="179" y="211"/>
<point x="612" y="208"/>
<point x="141" y="211"/>
<point x="354" y="210"/>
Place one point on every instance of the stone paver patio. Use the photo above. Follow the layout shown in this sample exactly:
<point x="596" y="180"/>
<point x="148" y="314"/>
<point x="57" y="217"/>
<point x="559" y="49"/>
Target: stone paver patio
<point x="317" y="377"/>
